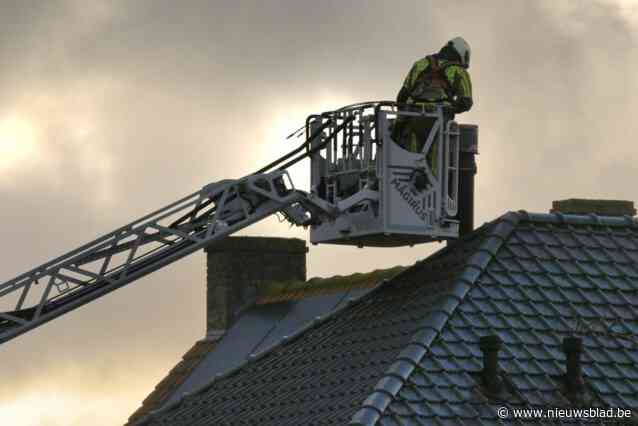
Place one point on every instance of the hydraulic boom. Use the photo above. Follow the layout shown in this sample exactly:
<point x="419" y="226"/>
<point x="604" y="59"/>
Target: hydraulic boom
<point x="154" y="241"/>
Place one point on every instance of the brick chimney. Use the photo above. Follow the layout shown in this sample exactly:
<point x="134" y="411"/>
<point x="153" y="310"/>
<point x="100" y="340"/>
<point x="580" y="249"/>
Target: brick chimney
<point x="236" y="266"/>
<point x="599" y="207"/>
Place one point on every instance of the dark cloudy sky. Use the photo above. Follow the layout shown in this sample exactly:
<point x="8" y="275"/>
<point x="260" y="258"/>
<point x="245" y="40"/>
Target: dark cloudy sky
<point x="110" y="109"/>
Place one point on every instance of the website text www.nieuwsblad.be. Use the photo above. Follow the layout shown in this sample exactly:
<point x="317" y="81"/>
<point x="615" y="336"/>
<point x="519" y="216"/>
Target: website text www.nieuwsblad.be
<point x="563" y="413"/>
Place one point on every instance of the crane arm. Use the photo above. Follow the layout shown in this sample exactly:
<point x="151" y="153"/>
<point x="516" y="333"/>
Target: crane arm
<point x="144" y="246"/>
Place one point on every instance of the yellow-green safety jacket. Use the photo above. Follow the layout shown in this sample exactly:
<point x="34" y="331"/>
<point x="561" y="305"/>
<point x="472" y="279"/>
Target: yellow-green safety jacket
<point x="434" y="80"/>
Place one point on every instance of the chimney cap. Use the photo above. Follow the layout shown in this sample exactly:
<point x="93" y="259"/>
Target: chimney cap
<point x="258" y="244"/>
<point x="599" y="207"/>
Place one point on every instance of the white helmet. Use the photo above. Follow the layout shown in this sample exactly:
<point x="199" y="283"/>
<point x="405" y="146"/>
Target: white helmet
<point x="463" y="49"/>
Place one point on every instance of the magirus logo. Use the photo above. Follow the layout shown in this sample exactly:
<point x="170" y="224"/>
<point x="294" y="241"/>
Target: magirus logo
<point x="407" y="193"/>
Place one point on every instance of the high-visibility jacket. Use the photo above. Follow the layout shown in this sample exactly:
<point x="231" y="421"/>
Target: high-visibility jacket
<point x="433" y="80"/>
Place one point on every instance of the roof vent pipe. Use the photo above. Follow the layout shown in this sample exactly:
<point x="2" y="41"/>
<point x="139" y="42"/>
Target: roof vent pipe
<point x="490" y="345"/>
<point x="573" y="347"/>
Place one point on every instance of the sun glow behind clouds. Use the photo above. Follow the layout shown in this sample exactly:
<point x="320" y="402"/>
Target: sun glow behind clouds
<point x="55" y="139"/>
<point x="18" y="143"/>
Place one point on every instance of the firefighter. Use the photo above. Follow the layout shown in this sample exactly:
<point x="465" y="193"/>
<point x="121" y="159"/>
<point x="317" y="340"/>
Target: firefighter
<point x="439" y="79"/>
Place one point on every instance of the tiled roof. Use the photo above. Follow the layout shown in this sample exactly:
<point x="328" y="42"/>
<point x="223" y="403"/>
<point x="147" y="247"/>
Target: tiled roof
<point x="407" y="353"/>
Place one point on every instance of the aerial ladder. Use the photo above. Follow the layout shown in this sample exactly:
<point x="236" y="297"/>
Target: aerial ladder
<point x="366" y="190"/>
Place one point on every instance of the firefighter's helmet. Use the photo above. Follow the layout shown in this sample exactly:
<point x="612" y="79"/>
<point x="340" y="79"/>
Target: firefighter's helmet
<point x="461" y="47"/>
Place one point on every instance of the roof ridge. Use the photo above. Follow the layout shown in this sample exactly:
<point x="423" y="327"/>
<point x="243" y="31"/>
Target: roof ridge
<point x="391" y="383"/>
<point x="254" y="357"/>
